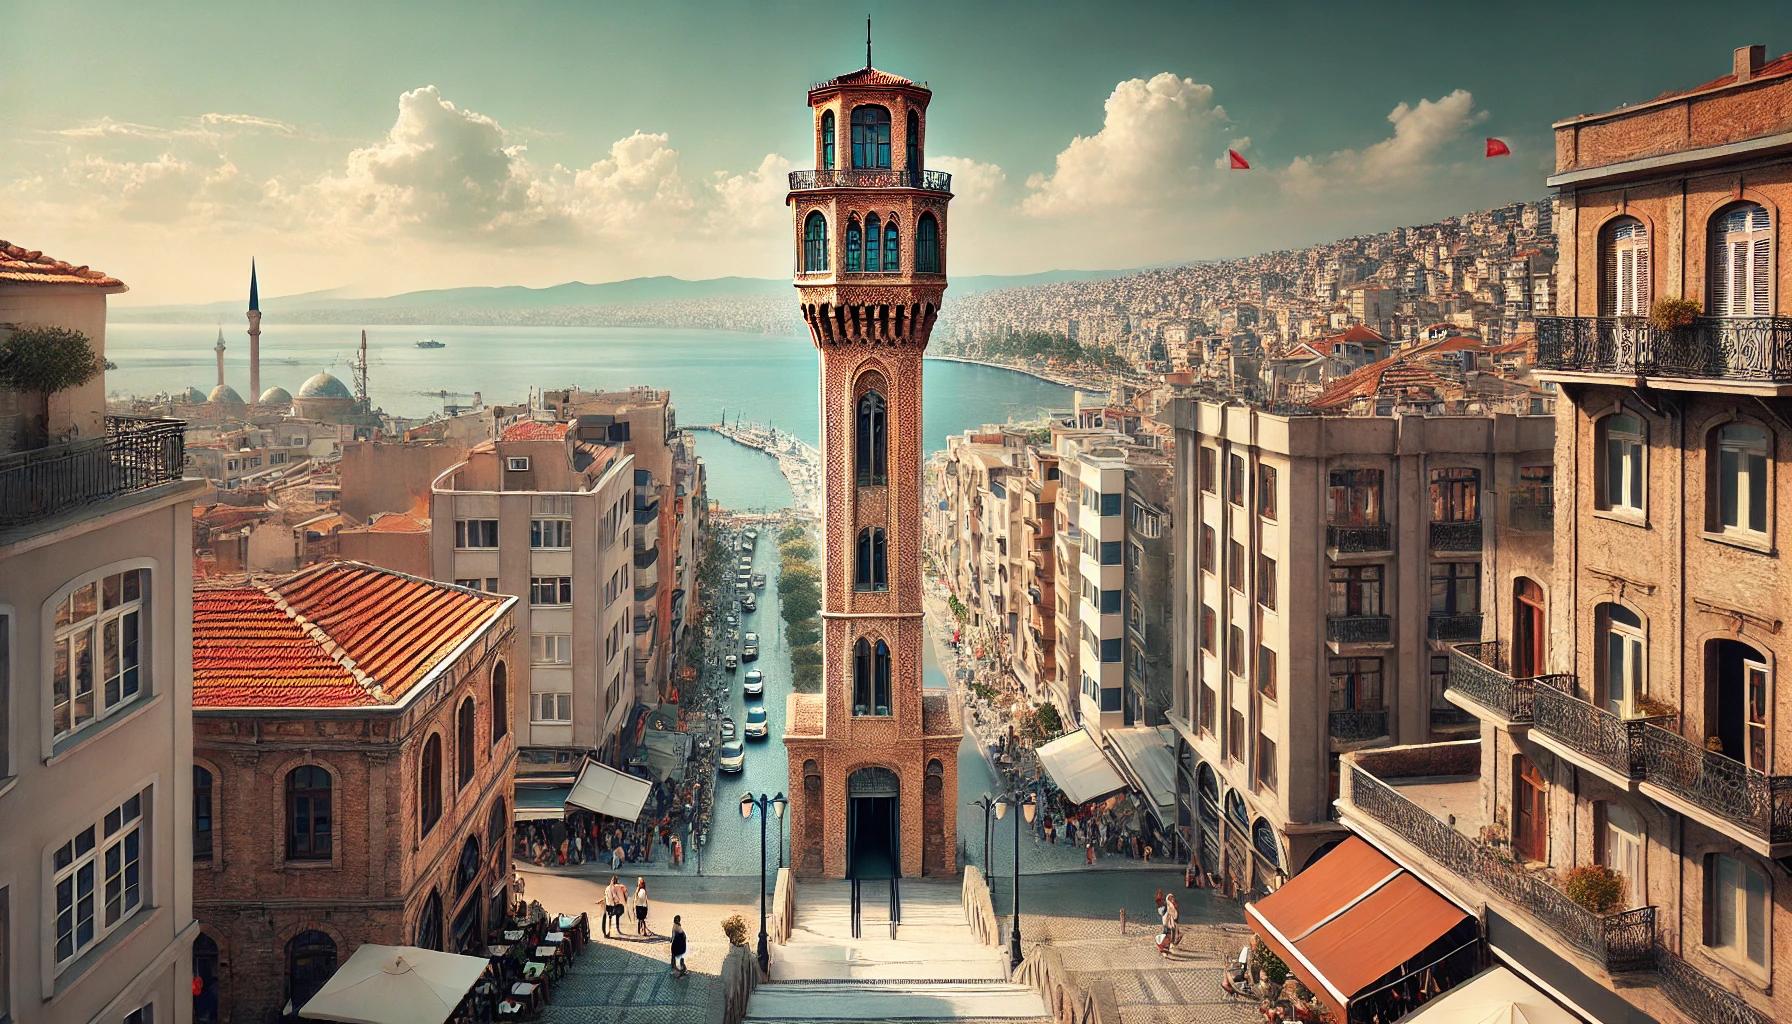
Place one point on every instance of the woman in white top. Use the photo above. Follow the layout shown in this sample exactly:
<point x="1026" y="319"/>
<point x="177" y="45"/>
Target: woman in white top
<point x="641" y="907"/>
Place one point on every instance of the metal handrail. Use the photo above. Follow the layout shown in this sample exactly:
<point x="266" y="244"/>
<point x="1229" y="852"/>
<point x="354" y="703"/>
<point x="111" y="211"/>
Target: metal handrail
<point x="895" y="906"/>
<point x="855" y="908"/>
<point x="136" y="454"/>
<point x="861" y="177"/>
<point x="1735" y="348"/>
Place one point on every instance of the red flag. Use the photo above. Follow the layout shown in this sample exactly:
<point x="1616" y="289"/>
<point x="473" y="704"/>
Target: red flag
<point x="1238" y="162"/>
<point x="1497" y="148"/>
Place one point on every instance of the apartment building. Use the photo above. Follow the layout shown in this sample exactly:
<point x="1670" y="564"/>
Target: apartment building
<point x="1320" y="563"/>
<point x="1036" y="660"/>
<point x="982" y="484"/>
<point x="96" y="568"/>
<point x="547" y="511"/>
<point x="1630" y="715"/>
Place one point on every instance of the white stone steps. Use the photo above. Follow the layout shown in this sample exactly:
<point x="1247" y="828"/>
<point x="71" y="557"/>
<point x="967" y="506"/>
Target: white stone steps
<point x="821" y="1001"/>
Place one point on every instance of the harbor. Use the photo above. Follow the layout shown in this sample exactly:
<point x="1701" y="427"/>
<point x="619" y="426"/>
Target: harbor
<point x="798" y="460"/>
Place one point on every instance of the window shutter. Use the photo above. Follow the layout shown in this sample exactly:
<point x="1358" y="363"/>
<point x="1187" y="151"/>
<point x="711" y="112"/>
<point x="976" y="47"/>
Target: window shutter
<point x="1626" y="282"/>
<point x="1720" y="278"/>
<point x="1760" y="299"/>
<point x="1608" y="275"/>
<point x="1640" y="296"/>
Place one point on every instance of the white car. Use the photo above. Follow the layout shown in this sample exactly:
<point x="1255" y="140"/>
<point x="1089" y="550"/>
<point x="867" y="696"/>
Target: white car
<point x="734" y="756"/>
<point x="756" y="727"/>
<point x="755" y="684"/>
<point x="731" y="663"/>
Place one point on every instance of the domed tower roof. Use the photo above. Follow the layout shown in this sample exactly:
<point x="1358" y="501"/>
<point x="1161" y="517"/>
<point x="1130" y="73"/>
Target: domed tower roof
<point x="192" y="396"/>
<point x="224" y="394"/>
<point x="276" y="396"/>
<point x="324" y="386"/>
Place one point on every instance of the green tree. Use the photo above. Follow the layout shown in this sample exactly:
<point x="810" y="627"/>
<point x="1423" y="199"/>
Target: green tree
<point x="41" y="361"/>
<point x="795" y="531"/>
<point x="797" y="550"/>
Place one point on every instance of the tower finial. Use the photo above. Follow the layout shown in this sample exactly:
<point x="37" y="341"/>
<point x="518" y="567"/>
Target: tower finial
<point x="254" y="292"/>
<point x="867" y="42"/>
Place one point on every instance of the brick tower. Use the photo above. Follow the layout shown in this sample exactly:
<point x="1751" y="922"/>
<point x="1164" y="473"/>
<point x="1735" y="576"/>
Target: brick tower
<point x="873" y="763"/>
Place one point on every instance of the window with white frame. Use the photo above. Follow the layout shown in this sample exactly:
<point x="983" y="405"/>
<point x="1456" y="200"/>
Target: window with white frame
<point x="97" y="879"/>
<point x="475" y="533"/>
<point x="1621" y="447"/>
<point x="1624" y="269"/>
<point x="550" y="649"/>
<point x="550" y="590"/>
<point x="551" y="708"/>
<point x="517" y="463"/>
<point x="550" y="533"/>
<point x="1737" y="919"/>
<point x="98" y="649"/>
<point x="1741" y="463"/>
<point x="1741" y="262"/>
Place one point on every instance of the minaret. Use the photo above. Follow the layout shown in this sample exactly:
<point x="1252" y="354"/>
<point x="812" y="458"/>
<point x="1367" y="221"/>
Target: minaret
<point x="219" y="349"/>
<point x="871" y="756"/>
<point x="254" y="341"/>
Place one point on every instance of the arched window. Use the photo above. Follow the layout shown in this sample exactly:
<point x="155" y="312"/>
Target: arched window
<point x="871" y="568"/>
<point x="827" y="140"/>
<point x="310" y="960"/>
<point x="1621" y="845"/>
<point x="497" y="827"/>
<point x="1624" y="268"/>
<point x="202" y="813"/>
<point x="1741" y="262"/>
<point x="855" y="238"/>
<point x="1741" y="907"/>
<point x="205" y="979"/>
<point x="1263" y="838"/>
<point x="1626" y="657"/>
<point x="914" y="141"/>
<point x="98" y="663"/>
<point x="308" y="817"/>
<point x="1738" y="458"/>
<point x="892" y="249"/>
<point x="871" y="137"/>
<point x="872" y="444"/>
<point x="927" y="245"/>
<point x="873" y="248"/>
<point x="429" y="924"/>
<point x="500" y="702"/>
<point x="815" y="243"/>
<point x="429" y="784"/>
<point x="880" y="680"/>
<point x="1621" y="447"/>
<point x="1738" y="702"/>
<point x="466" y="728"/>
<point x="861" y="677"/>
<point x="468" y="869"/>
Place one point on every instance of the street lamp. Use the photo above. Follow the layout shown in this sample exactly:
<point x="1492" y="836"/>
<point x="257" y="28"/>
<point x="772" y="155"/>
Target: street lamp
<point x="1028" y="810"/>
<point x="988" y="804"/>
<point x="776" y="805"/>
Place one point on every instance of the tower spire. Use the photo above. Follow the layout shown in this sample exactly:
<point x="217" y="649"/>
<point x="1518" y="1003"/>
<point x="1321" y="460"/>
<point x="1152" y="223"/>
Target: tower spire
<point x="254" y="290"/>
<point x="254" y="316"/>
<point x="867" y="42"/>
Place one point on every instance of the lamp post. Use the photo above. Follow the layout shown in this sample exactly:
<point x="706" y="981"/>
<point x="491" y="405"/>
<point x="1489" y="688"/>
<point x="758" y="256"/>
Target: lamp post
<point x="776" y="805"/>
<point x="1028" y="809"/>
<point x="988" y="804"/>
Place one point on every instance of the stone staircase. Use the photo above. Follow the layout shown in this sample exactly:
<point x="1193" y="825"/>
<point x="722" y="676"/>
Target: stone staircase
<point x="933" y="970"/>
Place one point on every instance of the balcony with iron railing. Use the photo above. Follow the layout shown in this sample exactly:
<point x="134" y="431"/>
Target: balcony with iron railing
<point x="135" y="456"/>
<point x="1456" y="535"/>
<point x="1359" y="629"/>
<point x="930" y="181"/>
<point x="1721" y="791"/>
<point x="1531" y="513"/>
<point x="1586" y="734"/>
<point x="1358" y="725"/>
<point x="1480" y="675"/>
<point x="1745" y="350"/>
<point x="1447" y="628"/>
<point x="1346" y="539"/>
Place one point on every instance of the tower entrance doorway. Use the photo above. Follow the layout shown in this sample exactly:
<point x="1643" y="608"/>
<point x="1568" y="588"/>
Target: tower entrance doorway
<point x="872" y="824"/>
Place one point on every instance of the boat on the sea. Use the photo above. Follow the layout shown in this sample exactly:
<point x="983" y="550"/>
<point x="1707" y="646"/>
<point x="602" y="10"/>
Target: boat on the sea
<point x="431" y="343"/>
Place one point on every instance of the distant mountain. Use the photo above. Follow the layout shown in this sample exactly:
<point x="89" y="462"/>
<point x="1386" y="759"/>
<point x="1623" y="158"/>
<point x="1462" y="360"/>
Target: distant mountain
<point x="637" y="291"/>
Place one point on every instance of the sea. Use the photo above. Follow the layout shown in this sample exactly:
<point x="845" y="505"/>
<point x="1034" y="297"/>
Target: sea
<point x="756" y="377"/>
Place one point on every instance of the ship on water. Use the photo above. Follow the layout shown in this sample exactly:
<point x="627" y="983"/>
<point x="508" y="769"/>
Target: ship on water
<point x="431" y="343"/>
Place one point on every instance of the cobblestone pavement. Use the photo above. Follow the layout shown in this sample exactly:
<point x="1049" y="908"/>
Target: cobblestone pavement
<point x="629" y="980"/>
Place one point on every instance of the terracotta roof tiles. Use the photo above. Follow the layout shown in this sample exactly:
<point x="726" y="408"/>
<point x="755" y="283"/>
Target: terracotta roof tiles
<point x="399" y="522"/>
<point x="1781" y="65"/>
<point x="29" y="266"/>
<point x="1389" y="376"/>
<point x="865" y="76"/>
<point x="535" y="430"/>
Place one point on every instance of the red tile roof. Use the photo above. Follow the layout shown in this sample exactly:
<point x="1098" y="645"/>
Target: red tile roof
<point x="399" y="522"/>
<point x="1393" y="375"/>
<point x="535" y="430"/>
<point x="341" y="634"/>
<point x="1357" y="334"/>
<point x="29" y="266"/>
<point x="865" y="76"/>
<point x="1780" y="65"/>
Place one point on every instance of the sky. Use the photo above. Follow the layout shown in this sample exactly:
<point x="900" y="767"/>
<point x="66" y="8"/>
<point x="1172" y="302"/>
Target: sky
<point x="384" y="147"/>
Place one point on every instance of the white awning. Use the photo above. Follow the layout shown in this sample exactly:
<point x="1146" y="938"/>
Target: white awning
<point x="541" y="803"/>
<point x="395" y="985"/>
<point x="1079" y="768"/>
<point x="1495" y="996"/>
<point x="605" y="790"/>
<point x="1146" y="754"/>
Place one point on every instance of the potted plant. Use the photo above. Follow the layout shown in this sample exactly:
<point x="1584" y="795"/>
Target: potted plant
<point x="1672" y="314"/>
<point x="38" y="362"/>
<point x="1595" y="887"/>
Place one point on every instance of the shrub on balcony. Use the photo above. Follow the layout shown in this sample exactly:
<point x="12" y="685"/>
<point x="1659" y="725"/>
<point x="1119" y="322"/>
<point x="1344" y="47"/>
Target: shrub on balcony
<point x="41" y="361"/>
<point x="1050" y="722"/>
<point x="1672" y="314"/>
<point x="1595" y="887"/>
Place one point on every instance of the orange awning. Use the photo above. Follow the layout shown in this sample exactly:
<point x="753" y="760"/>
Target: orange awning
<point x="1350" y="919"/>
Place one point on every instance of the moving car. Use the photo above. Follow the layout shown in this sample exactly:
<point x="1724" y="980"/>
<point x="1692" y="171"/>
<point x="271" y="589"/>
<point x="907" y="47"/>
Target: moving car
<point x="756" y="727"/>
<point x="752" y="533"/>
<point x="734" y="755"/>
<point x="749" y="603"/>
<point x="755" y="684"/>
<point x="727" y="727"/>
<point x="749" y="647"/>
<point x="759" y="581"/>
<point x="730" y="662"/>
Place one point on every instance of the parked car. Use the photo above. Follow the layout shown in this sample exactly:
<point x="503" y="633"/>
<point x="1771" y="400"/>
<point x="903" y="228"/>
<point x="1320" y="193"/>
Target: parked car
<point x="755" y="684"/>
<point x="728" y="732"/>
<point x="730" y="662"/>
<point x="749" y="603"/>
<point x="734" y="755"/>
<point x="752" y="638"/>
<point x="756" y="727"/>
<point x="732" y="619"/>
<point x="759" y="581"/>
<point x="749" y="651"/>
<point x="752" y="533"/>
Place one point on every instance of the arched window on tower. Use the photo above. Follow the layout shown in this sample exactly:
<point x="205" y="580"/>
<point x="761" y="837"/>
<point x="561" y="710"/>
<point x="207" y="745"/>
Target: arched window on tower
<point x="871" y="137"/>
<point x="892" y="249"/>
<point x="861" y="677"/>
<point x="872" y="444"/>
<point x="873" y="246"/>
<point x="872" y="564"/>
<point x="927" y="245"/>
<point x="914" y="142"/>
<point x="827" y="140"/>
<point x="880" y="680"/>
<point x="815" y="243"/>
<point x="854" y="239"/>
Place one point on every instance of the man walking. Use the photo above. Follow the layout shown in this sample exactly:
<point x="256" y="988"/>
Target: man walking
<point x="678" y="948"/>
<point x="609" y="905"/>
<point x="616" y="902"/>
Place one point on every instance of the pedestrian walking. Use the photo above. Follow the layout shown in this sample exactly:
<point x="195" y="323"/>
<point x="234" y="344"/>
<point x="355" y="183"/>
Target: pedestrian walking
<point x="618" y="903"/>
<point x="678" y="948"/>
<point x="1089" y="853"/>
<point x="641" y="907"/>
<point x="609" y="905"/>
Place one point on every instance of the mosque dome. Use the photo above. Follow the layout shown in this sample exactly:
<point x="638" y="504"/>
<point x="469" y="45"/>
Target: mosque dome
<point x="276" y="396"/>
<point x="324" y="386"/>
<point x="224" y="394"/>
<point x="192" y="396"/>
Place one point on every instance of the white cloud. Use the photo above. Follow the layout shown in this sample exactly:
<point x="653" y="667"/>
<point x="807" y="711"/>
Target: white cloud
<point x="974" y="183"/>
<point x="1421" y="138"/>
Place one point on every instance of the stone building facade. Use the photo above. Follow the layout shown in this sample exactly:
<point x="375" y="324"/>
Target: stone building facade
<point x="352" y="775"/>
<point x="869" y="755"/>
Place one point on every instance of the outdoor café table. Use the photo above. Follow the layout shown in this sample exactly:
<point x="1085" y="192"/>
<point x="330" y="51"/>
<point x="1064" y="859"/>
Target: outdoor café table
<point x="554" y="937"/>
<point x="494" y="951"/>
<point x="545" y="952"/>
<point x="528" y="990"/>
<point x="512" y="936"/>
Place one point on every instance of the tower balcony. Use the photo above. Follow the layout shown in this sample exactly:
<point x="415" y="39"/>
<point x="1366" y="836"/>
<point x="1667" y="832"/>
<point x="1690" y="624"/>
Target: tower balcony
<point x="929" y="181"/>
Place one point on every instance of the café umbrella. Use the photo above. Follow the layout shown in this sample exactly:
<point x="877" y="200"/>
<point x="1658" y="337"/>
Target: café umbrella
<point x="395" y="985"/>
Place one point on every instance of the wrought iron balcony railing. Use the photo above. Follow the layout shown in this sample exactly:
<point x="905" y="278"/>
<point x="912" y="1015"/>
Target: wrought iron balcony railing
<point x="1463" y="535"/>
<point x="1453" y="627"/>
<point x="1452" y="717"/>
<point x="1359" y="724"/>
<point x="647" y="513"/>
<point x="643" y="559"/>
<point x="1756" y="348"/>
<point x="1359" y="629"/>
<point x="1758" y="803"/>
<point x="1478" y="671"/>
<point x="1608" y="739"/>
<point x="1531" y="513"/>
<point x="1357" y="540"/>
<point x="1624" y="941"/>
<point x="1699" y="997"/>
<point x="932" y="181"/>
<point x="136" y="454"/>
